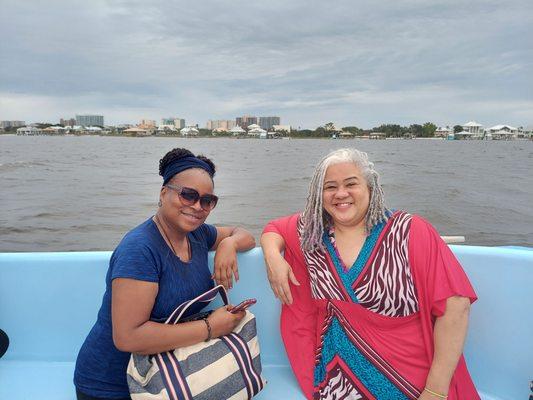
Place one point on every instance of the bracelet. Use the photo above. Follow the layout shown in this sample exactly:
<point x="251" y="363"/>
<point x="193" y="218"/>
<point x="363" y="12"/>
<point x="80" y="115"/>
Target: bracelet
<point x="440" y="396"/>
<point x="208" y="329"/>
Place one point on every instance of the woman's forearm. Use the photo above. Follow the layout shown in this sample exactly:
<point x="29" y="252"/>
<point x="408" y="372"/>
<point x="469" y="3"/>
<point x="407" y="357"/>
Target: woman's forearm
<point x="242" y="239"/>
<point x="272" y="244"/>
<point x="449" y="337"/>
<point x="153" y="337"/>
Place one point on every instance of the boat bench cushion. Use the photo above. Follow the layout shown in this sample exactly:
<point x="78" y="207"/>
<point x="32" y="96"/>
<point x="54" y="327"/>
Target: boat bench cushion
<point x="43" y="380"/>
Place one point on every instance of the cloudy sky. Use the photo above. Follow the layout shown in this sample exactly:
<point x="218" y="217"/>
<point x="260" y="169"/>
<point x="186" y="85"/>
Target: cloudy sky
<point x="352" y="62"/>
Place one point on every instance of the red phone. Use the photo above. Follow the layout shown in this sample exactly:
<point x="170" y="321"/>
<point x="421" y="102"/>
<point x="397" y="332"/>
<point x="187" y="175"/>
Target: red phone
<point x="243" y="306"/>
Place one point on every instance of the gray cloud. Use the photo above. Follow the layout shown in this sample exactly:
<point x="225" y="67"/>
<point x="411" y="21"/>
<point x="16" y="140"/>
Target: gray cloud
<point x="359" y="63"/>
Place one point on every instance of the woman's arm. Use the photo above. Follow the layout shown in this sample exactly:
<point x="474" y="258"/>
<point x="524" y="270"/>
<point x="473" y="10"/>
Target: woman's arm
<point x="449" y="336"/>
<point x="131" y="305"/>
<point x="279" y="271"/>
<point x="230" y="240"/>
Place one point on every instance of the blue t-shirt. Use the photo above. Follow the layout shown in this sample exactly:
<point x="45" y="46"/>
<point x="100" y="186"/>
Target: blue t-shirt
<point x="142" y="254"/>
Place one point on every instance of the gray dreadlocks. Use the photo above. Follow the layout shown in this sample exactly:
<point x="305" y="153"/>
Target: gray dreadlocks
<point x="316" y="220"/>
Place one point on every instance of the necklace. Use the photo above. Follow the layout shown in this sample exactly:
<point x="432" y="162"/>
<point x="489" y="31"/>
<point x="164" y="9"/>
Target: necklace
<point x="160" y="226"/>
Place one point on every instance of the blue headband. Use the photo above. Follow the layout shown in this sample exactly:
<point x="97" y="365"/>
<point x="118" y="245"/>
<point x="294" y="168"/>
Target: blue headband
<point x="184" y="163"/>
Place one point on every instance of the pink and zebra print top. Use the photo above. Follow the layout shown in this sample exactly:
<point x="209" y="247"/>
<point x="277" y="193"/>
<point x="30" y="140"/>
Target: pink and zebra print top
<point x="385" y="312"/>
<point x="385" y="286"/>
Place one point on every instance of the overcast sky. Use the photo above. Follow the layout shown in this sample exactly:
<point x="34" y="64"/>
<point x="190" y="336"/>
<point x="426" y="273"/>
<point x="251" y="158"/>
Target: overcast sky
<point x="352" y="62"/>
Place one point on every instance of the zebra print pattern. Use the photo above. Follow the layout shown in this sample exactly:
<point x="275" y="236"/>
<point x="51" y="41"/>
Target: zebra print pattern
<point x="338" y="387"/>
<point x="387" y="286"/>
<point x="323" y="283"/>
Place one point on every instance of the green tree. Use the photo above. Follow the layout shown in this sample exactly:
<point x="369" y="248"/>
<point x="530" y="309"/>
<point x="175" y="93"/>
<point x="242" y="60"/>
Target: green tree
<point x="352" y="129"/>
<point x="457" y="129"/>
<point x="329" y="126"/>
<point x="429" y="129"/>
<point x="416" y="130"/>
<point x="391" y="130"/>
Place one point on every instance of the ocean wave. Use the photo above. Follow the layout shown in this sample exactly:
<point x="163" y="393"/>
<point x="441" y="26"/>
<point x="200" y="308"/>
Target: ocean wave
<point x="10" y="166"/>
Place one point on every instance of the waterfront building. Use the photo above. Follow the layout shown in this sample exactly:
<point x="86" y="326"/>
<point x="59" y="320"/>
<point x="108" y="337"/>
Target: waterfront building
<point x="67" y="122"/>
<point x="190" y="130"/>
<point x="237" y="130"/>
<point x="137" y="132"/>
<point x="473" y="127"/>
<point x="11" y="124"/>
<point x="224" y="124"/>
<point x="256" y="131"/>
<point x="179" y="123"/>
<point x="166" y="128"/>
<point x="90" y="120"/>
<point x="93" y="129"/>
<point x="346" y="135"/>
<point x="443" y="132"/>
<point x="268" y="123"/>
<point x="29" y="131"/>
<point x="505" y="128"/>
<point x="245" y="121"/>
<point x="54" y="130"/>
<point x="377" y="135"/>
<point x="147" y="124"/>
<point x="471" y="131"/>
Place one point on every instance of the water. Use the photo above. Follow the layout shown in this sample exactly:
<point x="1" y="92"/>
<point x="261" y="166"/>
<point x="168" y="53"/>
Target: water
<point x="83" y="193"/>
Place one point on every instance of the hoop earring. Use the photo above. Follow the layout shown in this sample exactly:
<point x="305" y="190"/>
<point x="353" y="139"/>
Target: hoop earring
<point x="159" y="204"/>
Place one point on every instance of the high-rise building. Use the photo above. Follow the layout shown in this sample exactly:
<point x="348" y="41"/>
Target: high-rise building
<point x="167" y="121"/>
<point x="146" y="124"/>
<point x="245" y="121"/>
<point x="179" y="123"/>
<point x="267" y="123"/>
<point x="11" y="124"/>
<point x="90" y="120"/>
<point x="225" y="124"/>
<point x="67" y="122"/>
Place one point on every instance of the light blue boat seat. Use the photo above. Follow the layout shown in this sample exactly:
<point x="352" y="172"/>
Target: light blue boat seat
<point x="49" y="301"/>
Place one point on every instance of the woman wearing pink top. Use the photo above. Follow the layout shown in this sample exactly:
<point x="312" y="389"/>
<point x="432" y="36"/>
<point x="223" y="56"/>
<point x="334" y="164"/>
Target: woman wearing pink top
<point x="375" y="304"/>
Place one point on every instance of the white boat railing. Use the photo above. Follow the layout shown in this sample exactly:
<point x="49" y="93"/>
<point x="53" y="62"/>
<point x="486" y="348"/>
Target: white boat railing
<point x="453" y="239"/>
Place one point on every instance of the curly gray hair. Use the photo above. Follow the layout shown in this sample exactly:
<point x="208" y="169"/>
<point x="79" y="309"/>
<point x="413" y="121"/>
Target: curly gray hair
<point x="316" y="220"/>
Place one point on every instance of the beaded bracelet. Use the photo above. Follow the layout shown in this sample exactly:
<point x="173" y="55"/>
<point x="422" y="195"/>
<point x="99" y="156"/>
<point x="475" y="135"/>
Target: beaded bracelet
<point x="440" y="396"/>
<point x="208" y="329"/>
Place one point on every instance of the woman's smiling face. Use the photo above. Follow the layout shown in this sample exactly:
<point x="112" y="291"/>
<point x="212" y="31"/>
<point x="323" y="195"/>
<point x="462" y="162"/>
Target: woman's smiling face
<point x="346" y="195"/>
<point x="180" y="216"/>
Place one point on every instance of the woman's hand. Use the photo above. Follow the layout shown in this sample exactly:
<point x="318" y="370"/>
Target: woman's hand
<point x="223" y="322"/>
<point x="279" y="273"/>
<point x="226" y="263"/>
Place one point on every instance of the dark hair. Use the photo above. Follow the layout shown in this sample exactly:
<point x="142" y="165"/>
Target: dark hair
<point x="176" y="154"/>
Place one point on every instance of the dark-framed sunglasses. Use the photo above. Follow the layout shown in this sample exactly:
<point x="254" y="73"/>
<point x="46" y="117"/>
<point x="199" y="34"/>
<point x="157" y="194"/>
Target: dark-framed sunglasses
<point x="190" y="196"/>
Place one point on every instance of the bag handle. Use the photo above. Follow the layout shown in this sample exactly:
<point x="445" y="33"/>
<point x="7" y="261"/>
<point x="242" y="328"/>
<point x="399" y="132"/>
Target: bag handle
<point x="206" y="298"/>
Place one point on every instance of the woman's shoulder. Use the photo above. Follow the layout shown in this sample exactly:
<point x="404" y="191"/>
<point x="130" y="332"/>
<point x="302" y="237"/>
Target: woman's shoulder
<point x="142" y="236"/>
<point x="283" y="225"/>
<point x="396" y="214"/>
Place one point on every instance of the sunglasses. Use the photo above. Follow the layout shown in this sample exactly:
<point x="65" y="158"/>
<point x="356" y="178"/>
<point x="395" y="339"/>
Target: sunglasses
<point x="189" y="197"/>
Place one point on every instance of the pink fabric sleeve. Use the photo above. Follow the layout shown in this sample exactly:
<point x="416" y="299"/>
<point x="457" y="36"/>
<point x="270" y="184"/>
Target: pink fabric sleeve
<point x="298" y="330"/>
<point x="440" y="275"/>
<point x="279" y="226"/>
<point x="298" y="321"/>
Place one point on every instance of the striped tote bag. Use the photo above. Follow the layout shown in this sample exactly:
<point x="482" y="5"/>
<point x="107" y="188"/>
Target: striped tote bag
<point x="228" y="367"/>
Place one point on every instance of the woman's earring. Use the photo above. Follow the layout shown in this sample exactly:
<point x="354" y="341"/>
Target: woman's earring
<point x="159" y="204"/>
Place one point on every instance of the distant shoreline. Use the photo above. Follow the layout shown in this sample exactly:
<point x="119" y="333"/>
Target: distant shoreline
<point x="263" y="139"/>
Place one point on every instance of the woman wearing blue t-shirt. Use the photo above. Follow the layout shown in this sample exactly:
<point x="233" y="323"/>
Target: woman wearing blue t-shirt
<point x="157" y="266"/>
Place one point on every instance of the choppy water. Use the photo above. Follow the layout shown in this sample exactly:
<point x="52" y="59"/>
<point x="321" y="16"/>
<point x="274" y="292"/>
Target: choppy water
<point x="84" y="193"/>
